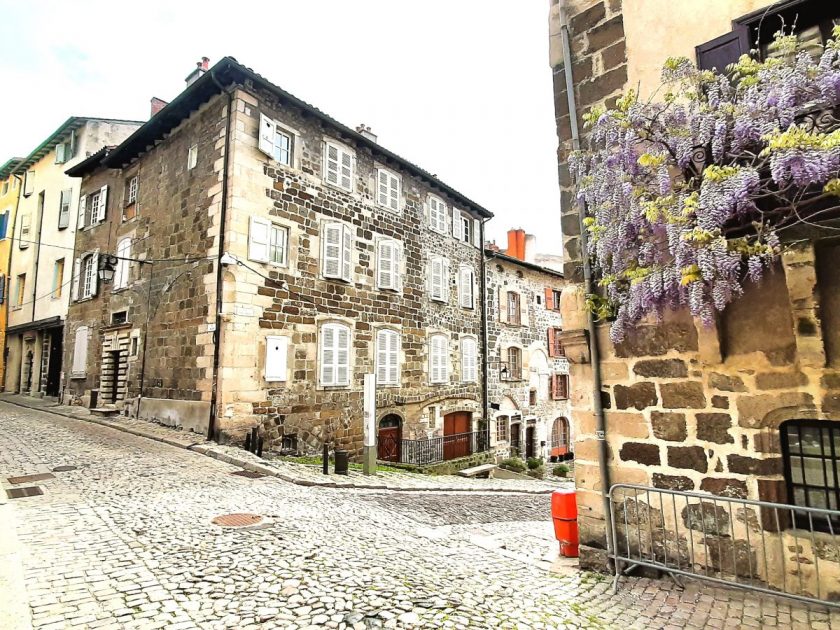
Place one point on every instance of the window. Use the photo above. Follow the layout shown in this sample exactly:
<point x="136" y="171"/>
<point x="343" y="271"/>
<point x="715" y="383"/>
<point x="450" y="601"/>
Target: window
<point x="438" y="359"/>
<point x="338" y="166"/>
<point x="502" y="428"/>
<point x="560" y="434"/>
<point x="58" y="279"/>
<point x="64" y="209"/>
<point x="131" y="191"/>
<point x="80" y="348"/>
<point x="811" y="455"/>
<point x="192" y="157"/>
<point x="532" y="397"/>
<point x="135" y="346"/>
<point x="28" y="183"/>
<point x="5" y="188"/>
<point x="276" y="353"/>
<point x="4" y="223"/>
<point x="63" y="152"/>
<point x="439" y="278"/>
<point x="469" y="360"/>
<point x="334" y="355"/>
<point x="513" y="313"/>
<point x="388" y="189"/>
<point x="275" y="142"/>
<point x="552" y="299"/>
<point x="559" y="386"/>
<point x="388" y="264"/>
<point x="85" y="279"/>
<point x="555" y="345"/>
<point x="21" y="290"/>
<point x="467" y="223"/>
<point x="119" y="317"/>
<point x="268" y="242"/>
<point x="123" y="262"/>
<point x="466" y="287"/>
<point x="337" y="252"/>
<point x="511" y="370"/>
<point x="387" y="357"/>
<point x="25" y="231"/>
<point x="92" y="207"/>
<point x="437" y="214"/>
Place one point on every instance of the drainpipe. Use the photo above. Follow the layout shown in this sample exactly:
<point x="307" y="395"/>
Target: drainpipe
<point x="217" y="346"/>
<point x="484" y="340"/>
<point x="598" y="409"/>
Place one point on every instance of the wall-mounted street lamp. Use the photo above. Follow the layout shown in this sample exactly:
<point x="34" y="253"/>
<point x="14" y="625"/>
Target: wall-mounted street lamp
<point x="107" y="267"/>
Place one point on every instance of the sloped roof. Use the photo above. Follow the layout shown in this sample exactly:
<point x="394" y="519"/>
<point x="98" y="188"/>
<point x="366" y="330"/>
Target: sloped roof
<point x="9" y="167"/>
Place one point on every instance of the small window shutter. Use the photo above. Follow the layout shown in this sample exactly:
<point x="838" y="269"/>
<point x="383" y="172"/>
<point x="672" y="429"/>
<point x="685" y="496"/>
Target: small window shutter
<point x="503" y="305"/>
<point x="457" y="224"/>
<point x="476" y="233"/>
<point x="551" y="342"/>
<point x="332" y="250"/>
<point x="394" y="358"/>
<point x="465" y="287"/>
<point x="394" y="193"/>
<point x="549" y="299"/>
<point x="382" y="188"/>
<point x="524" y="315"/>
<point x="59" y="153"/>
<point x="77" y="272"/>
<point x="95" y="281"/>
<point x="80" y="348"/>
<point x="64" y="208"/>
<point x="397" y="265"/>
<point x="331" y="170"/>
<point x="2" y="289"/>
<point x="276" y="350"/>
<point x="343" y="356"/>
<point x="4" y="220"/>
<point x="258" y="236"/>
<point x="346" y="170"/>
<point x="327" y="358"/>
<point x="82" y="208"/>
<point x="724" y="50"/>
<point x="445" y="280"/>
<point x="267" y="131"/>
<point x="346" y="254"/>
<point x="72" y="150"/>
<point x="385" y="266"/>
<point x="382" y="356"/>
<point x="103" y="201"/>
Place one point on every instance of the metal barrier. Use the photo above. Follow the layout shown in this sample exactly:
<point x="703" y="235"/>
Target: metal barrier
<point x="771" y="548"/>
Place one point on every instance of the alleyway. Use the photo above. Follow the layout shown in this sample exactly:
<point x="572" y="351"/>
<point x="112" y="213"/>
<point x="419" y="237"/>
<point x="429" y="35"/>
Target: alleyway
<point x="125" y="540"/>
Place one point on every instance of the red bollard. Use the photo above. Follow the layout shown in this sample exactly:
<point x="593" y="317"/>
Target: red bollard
<point x="564" y="516"/>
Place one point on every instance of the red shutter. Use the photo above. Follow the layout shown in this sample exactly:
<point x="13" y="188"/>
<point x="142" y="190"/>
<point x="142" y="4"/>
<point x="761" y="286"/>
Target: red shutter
<point x="551" y="342"/>
<point x="553" y="387"/>
<point x="549" y="298"/>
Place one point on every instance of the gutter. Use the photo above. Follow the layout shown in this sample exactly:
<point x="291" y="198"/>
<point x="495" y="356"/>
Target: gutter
<point x="212" y="431"/>
<point x="594" y="353"/>
<point x="484" y="340"/>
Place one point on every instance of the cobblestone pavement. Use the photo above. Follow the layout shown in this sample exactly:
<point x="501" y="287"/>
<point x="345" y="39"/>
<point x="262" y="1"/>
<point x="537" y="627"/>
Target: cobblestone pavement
<point x="126" y="541"/>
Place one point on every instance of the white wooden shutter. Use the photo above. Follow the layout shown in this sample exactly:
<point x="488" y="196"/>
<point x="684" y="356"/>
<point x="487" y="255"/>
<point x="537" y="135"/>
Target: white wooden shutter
<point x="64" y="208"/>
<point x="76" y="278"/>
<point x="394" y="359"/>
<point x="121" y="273"/>
<point x="346" y="170"/>
<point x="276" y="351"/>
<point x="385" y="276"/>
<point x="503" y="305"/>
<point x="398" y="249"/>
<point x="465" y="288"/>
<point x="445" y="279"/>
<point x="476" y="233"/>
<point x="457" y="224"/>
<point x="327" y="358"/>
<point x="331" y="254"/>
<point x="436" y="278"/>
<point x="60" y="153"/>
<point x="468" y="360"/>
<point x="82" y="209"/>
<point x="331" y="164"/>
<point x="387" y="357"/>
<point x="258" y="237"/>
<point x="80" y="348"/>
<point x="103" y="200"/>
<point x="268" y="129"/>
<point x="388" y="190"/>
<point x="343" y="356"/>
<point x="94" y="281"/>
<point x="439" y="358"/>
<point x="346" y="254"/>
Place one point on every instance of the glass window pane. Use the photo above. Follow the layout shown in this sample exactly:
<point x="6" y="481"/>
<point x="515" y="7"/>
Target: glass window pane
<point x="796" y="470"/>
<point x="799" y="496"/>
<point x="793" y="438"/>
<point x="814" y="471"/>
<point x="817" y="498"/>
<point x="811" y="440"/>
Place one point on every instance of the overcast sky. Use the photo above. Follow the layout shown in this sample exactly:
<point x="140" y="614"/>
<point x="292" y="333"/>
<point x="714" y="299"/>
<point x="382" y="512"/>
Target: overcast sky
<point x="460" y="87"/>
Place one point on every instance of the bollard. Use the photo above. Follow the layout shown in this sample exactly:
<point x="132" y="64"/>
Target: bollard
<point x="259" y="447"/>
<point x="325" y="459"/>
<point x="248" y="441"/>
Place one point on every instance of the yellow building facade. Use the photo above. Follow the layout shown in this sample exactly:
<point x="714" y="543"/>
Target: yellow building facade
<point x="10" y="187"/>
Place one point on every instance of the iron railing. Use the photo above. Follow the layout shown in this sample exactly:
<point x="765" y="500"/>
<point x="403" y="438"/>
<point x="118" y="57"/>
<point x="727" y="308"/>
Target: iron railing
<point x="754" y="545"/>
<point x="444" y="448"/>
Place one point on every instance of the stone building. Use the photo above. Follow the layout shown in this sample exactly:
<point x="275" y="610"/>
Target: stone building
<point x="43" y="234"/>
<point x="689" y="407"/>
<point x="528" y="374"/>
<point x="10" y="187"/>
<point x="267" y="257"/>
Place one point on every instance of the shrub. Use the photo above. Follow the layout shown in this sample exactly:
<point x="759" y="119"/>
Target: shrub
<point x="513" y="463"/>
<point x="535" y="462"/>
<point x="537" y="473"/>
<point x="560" y="470"/>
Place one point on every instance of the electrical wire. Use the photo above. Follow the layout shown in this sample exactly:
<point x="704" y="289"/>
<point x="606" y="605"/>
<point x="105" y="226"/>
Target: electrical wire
<point x="196" y="258"/>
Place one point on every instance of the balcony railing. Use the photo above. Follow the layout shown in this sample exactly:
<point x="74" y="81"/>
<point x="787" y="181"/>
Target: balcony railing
<point x="510" y="371"/>
<point x="443" y="448"/>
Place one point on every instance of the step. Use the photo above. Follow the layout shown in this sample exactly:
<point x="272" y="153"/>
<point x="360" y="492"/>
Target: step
<point x="104" y="411"/>
<point x="475" y="471"/>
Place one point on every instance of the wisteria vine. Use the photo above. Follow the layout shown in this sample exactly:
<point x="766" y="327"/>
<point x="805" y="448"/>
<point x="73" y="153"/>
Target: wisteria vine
<point x="686" y="195"/>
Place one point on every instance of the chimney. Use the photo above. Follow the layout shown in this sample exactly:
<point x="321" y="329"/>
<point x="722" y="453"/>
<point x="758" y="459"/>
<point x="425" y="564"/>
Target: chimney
<point x="530" y="252"/>
<point x="516" y="244"/>
<point x="366" y="132"/>
<point x="200" y="68"/>
<point x="157" y="105"/>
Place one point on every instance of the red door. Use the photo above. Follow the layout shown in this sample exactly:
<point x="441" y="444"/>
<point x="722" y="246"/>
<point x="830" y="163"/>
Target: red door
<point x="389" y="439"/>
<point x="457" y="440"/>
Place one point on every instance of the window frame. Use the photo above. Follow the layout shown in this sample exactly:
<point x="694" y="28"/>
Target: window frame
<point x="64" y="203"/>
<point x="192" y="156"/>
<point x="75" y="372"/>
<point x="58" y="278"/>
<point x="442" y="375"/>
<point x="88" y="279"/>
<point x="469" y="373"/>
<point x="503" y="436"/>
<point x="392" y="194"/>
<point x="443" y="296"/>
<point x="396" y="338"/>
<point x="437" y="214"/>
<point x="466" y="269"/>
<point x="131" y="187"/>
<point x="345" y="251"/>
<point x="20" y="290"/>
<point x="341" y="151"/>
<point x="337" y="328"/>
<point x="394" y="275"/>
<point x="514" y="316"/>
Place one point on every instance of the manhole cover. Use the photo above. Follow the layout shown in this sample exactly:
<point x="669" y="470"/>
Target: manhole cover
<point x="31" y="478"/>
<point x="20" y="493"/>
<point x="237" y="520"/>
<point x="64" y="468"/>
<point x="250" y="474"/>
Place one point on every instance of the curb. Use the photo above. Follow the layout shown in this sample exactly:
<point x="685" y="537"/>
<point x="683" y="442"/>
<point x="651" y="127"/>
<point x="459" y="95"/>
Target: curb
<point x="208" y="451"/>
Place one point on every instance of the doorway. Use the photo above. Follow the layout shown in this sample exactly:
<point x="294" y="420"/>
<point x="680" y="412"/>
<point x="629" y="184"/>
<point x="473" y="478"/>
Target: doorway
<point x="515" y="438"/>
<point x="530" y="442"/>
<point x="54" y="364"/>
<point x="389" y="438"/>
<point x="457" y="440"/>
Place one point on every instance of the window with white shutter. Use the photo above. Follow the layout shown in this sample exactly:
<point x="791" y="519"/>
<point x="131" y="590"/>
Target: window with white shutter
<point x="437" y="214"/>
<point x="258" y="237"/>
<point x="387" y="357"/>
<point x="334" y="355"/>
<point x="103" y="202"/>
<point x="192" y="157"/>
<point x="457" y="225"/>
<point x="476" y="235"/>
<point x="466" y="287"/>
<point x="64" y="209"/>
<point x="388" y="189"/>
<point x="439" y="278"/>
<point x="388" y="264"/>
<point x="25" y="231"/>
<point x="80" y="348"/>
<point x="338" y="166"/>
<point x="438" y="359"/>
<point x="469" y="360"/>
<point x="276" y="351"/>
<point x="337" y="251"/>
<point x="121" y="272"/>
<point x="82" y="210"/>
<point x="87" y="276"/>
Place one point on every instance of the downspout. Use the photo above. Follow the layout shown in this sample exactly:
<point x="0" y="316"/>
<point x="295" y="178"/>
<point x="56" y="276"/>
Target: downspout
<point x="217" y="339"/>
<point x="598" y="409"/>
<point x="484" y="340"/>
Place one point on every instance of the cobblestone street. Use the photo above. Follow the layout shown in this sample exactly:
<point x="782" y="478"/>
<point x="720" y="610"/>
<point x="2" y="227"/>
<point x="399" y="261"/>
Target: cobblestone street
<point x="125" y="540"/>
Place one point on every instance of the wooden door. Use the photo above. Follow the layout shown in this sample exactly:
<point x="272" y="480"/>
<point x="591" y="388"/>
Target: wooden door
<point x="457" y="440"/>
<point x="530" y="442"/>
<point x="389" y="439"/>
<point x="515" y="437"/>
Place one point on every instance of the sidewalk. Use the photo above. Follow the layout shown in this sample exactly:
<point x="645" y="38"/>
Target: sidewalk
<point x="300" y="474"/>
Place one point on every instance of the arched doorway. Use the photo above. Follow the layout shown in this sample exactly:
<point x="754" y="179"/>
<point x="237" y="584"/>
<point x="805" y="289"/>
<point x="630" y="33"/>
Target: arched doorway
<point x="389" y="438"/>
<point x="560" y="438"/>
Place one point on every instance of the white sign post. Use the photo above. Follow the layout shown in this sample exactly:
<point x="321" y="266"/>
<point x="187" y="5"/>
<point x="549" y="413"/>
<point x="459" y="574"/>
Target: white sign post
<point x="369" y="428"/>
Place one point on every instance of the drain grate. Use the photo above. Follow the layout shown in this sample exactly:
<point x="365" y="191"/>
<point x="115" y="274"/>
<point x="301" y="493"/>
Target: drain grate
<point x="64" y="468"/>
<point x="30" y="478"/>
<point x="250" y="474"/>
<point x="237" y="520"/>
<point x="20" y="493"/>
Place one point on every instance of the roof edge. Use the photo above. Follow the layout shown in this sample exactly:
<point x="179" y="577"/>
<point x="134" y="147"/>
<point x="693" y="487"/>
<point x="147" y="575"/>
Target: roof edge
<point x="490" y="254"/>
